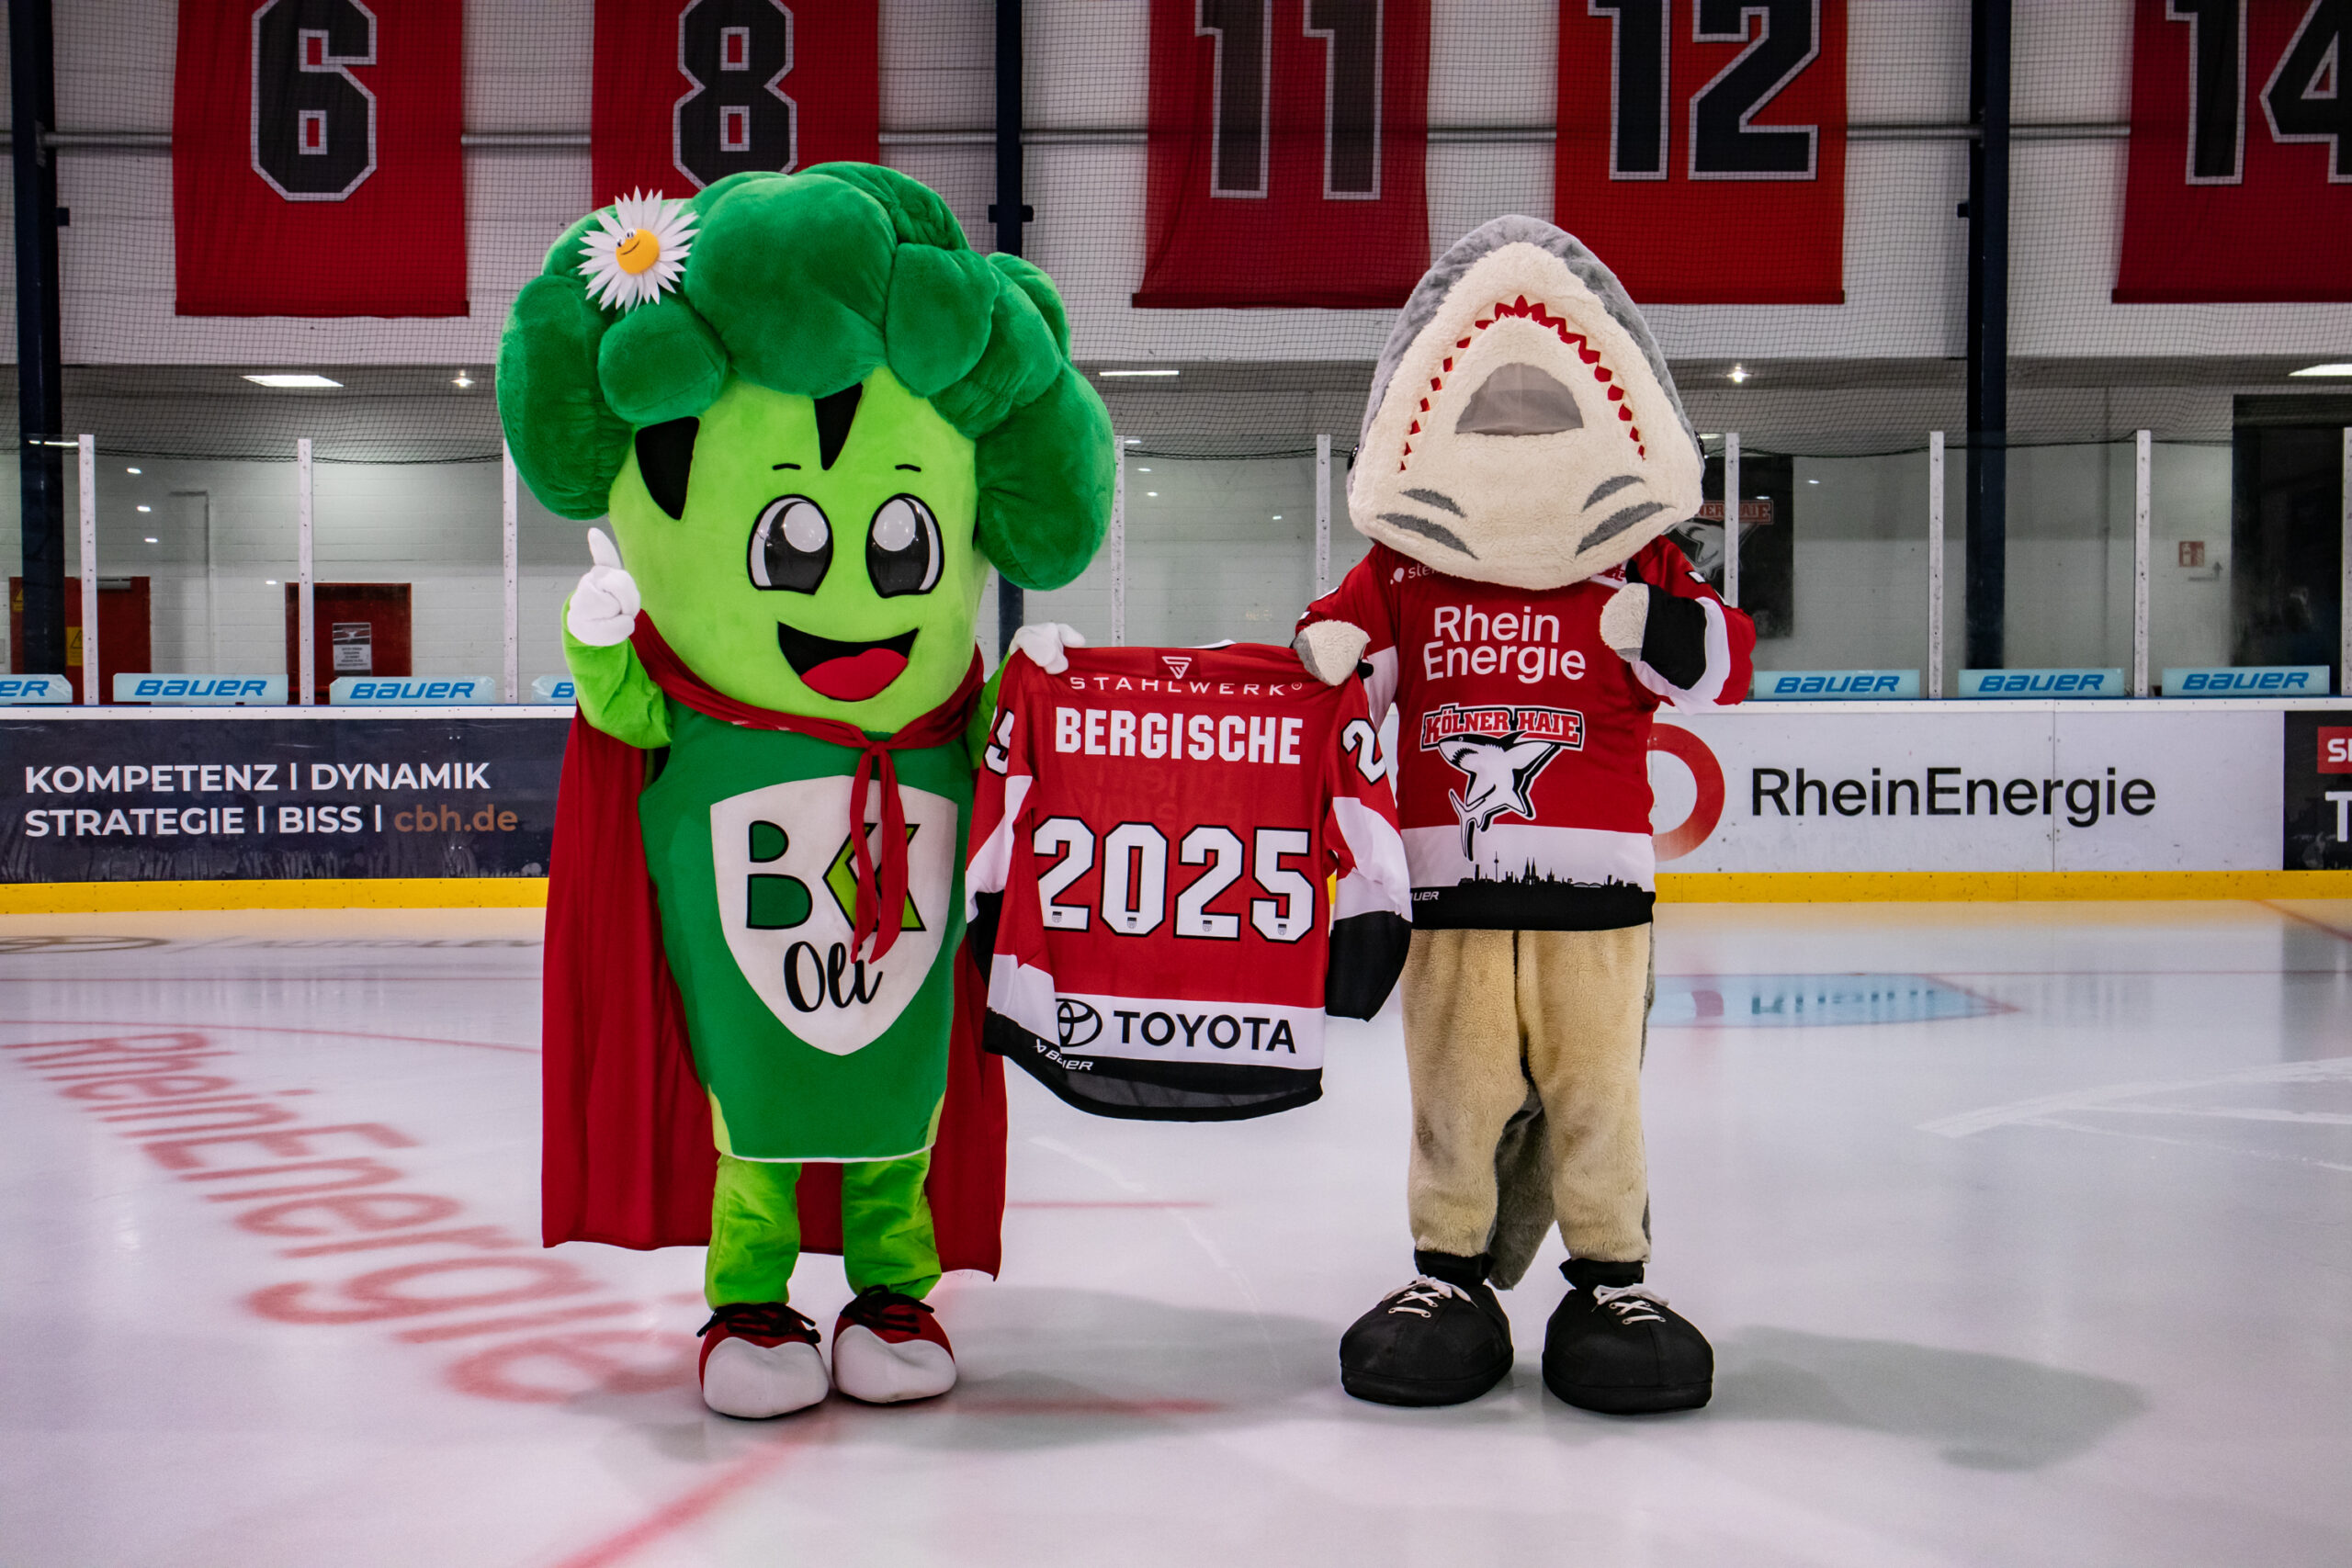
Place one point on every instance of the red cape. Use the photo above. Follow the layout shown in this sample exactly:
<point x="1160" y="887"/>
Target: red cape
<point x="627" y="1156"/>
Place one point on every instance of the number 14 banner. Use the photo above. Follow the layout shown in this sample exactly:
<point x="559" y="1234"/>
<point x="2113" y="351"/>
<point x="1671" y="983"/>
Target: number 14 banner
<point x="2240" y="186"/>
<point x="1284" y="165"/>
<point x="1701" y="148"/>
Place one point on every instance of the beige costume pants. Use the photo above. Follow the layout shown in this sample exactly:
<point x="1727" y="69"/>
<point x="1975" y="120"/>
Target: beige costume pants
<point x="1525" y="1053"/>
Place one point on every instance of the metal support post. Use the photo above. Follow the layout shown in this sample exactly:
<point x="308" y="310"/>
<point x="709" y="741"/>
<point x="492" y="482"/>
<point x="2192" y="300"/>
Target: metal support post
<point x="40" y="417"/>
<point x="2141" y="448"/>
<point x="305" y="629"/>
<point x="1322" y="515"/>
<point x="1119" y="547"/>
<point x="1731" y="519"/>
<point x="90" y="485"/>
<point x="1009" y="212"/>
<point x="510" y="518"/>
<point x="1988" y="334"/>
<point x="2343" y="594"/>
<point x="1935" y="564"/>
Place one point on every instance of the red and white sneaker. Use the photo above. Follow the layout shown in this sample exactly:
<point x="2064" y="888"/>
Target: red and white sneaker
<point x="760" y="1359"/>
<point x="889" y="1348"/>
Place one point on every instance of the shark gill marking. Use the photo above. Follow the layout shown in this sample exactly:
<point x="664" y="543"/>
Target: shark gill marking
<point x="1436" y="498"/>
<point x="1426" y="529"/>
<point x="1605" y="489"/>
<point x="1618" y="522"/>
<point x="1542" y="317"/>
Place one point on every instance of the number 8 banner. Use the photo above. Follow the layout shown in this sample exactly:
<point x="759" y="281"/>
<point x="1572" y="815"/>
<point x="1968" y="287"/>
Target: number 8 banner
<point x="2240" y="185"/>
<point x="1285" y="154"/>
<point x="316" y="167"/>
<point x="1702" y="148"/>
<point x="691" y="91"/>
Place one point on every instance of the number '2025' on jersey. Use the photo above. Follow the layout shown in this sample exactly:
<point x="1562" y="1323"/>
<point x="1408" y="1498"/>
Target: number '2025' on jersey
<point x="1156" y="836"/>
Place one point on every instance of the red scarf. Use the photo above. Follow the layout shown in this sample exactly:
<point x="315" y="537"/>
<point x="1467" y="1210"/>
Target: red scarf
<point x="881" y="890"/>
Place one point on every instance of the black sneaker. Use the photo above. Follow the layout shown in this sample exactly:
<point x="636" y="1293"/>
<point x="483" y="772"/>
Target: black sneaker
<point x="1440" y="1340"/>
<point x="1620" y="1349"/>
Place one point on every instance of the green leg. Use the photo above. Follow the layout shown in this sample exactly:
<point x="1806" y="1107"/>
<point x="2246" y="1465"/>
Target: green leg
<point x="886" y="1226"/>
<point x="755" y="1232"/>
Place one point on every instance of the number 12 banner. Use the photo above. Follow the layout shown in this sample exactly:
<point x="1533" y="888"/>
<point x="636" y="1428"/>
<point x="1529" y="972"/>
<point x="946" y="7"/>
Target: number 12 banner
<point x="1286" y="142"/>
<point x="2240" y="186"/>
<point x="1701" y="148"/>
<point x="691" y="91"/>
<point x="316" y="166"/>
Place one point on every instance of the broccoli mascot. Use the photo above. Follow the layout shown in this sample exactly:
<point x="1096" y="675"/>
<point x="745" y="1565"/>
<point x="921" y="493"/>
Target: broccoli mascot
<point x="816" y="417"/>
<point x="1523" y="452"/>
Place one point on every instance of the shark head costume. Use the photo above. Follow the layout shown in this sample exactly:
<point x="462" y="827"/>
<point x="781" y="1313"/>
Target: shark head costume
<point x="1523" y="452"/>
<point x="815" y="418"/>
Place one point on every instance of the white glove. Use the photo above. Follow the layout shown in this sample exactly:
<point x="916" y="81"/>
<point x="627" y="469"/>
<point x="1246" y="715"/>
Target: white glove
<point x="603" y="610"/>
<point x="1625" y="618"/>
<point x="1331" y="649"/>
<point x="1045" y="642"/>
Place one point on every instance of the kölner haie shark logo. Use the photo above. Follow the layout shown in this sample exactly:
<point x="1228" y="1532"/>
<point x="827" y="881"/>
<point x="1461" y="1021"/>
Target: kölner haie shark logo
<point x="1500" y="752"/>
<point x="786" y="900"/>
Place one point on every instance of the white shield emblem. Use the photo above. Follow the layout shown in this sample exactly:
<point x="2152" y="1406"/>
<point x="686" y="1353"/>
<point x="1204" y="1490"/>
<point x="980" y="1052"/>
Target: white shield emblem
<point x="786" y="890"/>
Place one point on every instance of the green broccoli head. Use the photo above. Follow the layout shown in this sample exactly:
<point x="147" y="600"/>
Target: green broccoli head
<point x="827" y="324"/>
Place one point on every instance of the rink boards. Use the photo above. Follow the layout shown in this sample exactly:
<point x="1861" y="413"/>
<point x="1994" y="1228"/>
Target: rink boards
<point x="163" y="808"/>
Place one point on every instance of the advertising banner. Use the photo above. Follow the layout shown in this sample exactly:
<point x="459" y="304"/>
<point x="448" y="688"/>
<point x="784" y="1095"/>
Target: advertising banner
<point x="199" y="798"/>
<point x="316" y="169"/>
<point x="2317" y="813"/>
<point x="2241" y="147"/>
<point x="691" y="91"/>
<point x="1285" y="152"/>
<point x="1701" y="148"/>
<point x="1872" y="787"/>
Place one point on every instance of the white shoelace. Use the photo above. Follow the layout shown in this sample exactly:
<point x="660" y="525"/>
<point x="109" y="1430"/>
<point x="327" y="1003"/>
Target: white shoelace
<point x="1632" y="1303"/>
<point x="1424" y="1293"/>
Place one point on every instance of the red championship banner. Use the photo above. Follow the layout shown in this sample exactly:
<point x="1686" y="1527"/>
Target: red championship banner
<point x="1702" y="148"/>
<point x="316" y="169"/>
<point x="2240" y="187"/>
<point x="1286" y="147"/>
<point x="691" y="91"/>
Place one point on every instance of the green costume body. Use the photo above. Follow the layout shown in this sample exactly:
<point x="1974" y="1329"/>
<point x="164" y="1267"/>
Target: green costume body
<point x="816" y="417"/>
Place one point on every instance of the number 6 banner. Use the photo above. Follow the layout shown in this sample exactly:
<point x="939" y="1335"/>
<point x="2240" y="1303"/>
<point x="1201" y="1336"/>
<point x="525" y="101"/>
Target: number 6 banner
<point x="1702" y="148"/>
<point x="1285" y="154"/>
<point x="316" y="168"/>
<point x="2240" y="186"/>
<point x="691" y="91"/>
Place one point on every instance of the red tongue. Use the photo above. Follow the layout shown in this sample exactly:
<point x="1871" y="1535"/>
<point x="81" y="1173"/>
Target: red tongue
<point x="856" y="678"/>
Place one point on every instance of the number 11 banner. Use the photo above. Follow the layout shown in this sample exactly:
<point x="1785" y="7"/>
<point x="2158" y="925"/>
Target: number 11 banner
<point x="691" y="91"/>
<point x="1285" y="154"/>
<point x="2240" y="183"/>
<point x="1702" y="148"/>
<point x="316" y="166"/>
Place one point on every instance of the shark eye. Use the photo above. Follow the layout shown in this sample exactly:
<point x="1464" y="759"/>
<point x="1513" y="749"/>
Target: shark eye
<point x="792" y="547"/>
<point x="902" y="551"/>
<point x="1519" y="400"/>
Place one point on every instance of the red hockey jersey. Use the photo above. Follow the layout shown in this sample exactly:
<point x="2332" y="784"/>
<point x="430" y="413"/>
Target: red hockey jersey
<point x="1522" y="741"/>
<point x="1154" y="836"/>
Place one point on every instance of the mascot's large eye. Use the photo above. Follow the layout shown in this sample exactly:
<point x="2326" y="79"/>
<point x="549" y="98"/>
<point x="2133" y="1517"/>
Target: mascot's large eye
<point x="902" y="553"/>
<point x="793" y="545"/>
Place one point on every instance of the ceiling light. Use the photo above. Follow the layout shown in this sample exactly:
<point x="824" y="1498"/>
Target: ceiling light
<point x="1812" y="481"/>
<point x="1710" y="435"/>
<point x="461" y="380"/>
<point x="146" y="509"/>
<point x="151" y="539"/>
<point x="1141" y="470"/>
<point x="1153" y="493"/>
<point x="269" y="583"/>
<point x="291" y="379"/>
<point x="130" y="471"/>
<point x="2337" y="369"/>
<point x="1278" y="517"/>
<point x="1134" y="440"/>
<point x="1106" y="374"/>
<point x="1738" y="374"/>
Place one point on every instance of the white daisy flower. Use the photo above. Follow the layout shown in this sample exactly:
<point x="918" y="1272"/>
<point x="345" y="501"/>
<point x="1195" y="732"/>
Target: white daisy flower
<point x="637" y="251"/>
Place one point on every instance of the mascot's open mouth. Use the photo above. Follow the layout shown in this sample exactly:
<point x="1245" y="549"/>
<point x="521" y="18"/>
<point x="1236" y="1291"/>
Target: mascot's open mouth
<point x="845" y="672"/>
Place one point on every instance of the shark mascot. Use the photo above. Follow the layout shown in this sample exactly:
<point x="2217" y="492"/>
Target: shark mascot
<point x="1522" y="454"/>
